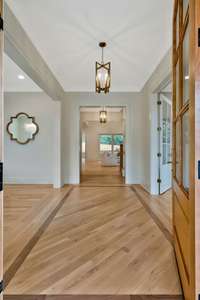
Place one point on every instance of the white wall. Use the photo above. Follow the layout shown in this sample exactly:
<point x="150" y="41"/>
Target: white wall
<point x="42" y="162"/>
<point x="92" y="129"/>
<point x="134" y="103"/>
<point x="149" y="94"/>
<point x="34" y="162"/>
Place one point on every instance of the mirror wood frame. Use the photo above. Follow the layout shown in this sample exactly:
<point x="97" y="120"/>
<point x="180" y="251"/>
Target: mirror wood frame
<point x="33" y="135"/>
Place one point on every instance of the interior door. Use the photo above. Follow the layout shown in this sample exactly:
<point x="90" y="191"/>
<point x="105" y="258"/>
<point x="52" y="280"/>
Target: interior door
<point x="165" y="140"/>
<point x="186" y="137"/>
<point x="1" y="155"/>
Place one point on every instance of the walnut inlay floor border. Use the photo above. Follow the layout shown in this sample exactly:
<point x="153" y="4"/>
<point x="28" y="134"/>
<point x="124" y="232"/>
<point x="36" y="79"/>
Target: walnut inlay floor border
<point x="160" y="223"/>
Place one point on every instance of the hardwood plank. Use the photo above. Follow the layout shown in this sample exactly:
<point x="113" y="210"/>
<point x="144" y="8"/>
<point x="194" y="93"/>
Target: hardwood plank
<point x="93" y="173"/>
<point x="156" y="297"/>
<point x="68" y="297"/>
<point x="196" y="132"/>
<point x="28" y="226"/>
<point x="92" y="297"/>
<point x="101" y="241"/>
<point x="1" y="142"/>
<point x="159" y="207"/>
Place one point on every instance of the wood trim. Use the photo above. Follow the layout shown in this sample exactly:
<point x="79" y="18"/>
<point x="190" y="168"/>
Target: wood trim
<point x="180" y="194"/>
<point x="184" y="108"/>
<point x="164" y="230"/>
<point x="177" y="243"/>
<point x="1" y="142"/>
<point x="197" y="146"/>
<point x="174" y="89"/>
<point x="1" y="8"/>
<point x="175" y="10"/>
<point x="182" y="273"/>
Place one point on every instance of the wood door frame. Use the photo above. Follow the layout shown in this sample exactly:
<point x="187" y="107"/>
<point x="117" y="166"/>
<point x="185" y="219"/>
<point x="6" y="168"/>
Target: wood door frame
<point x="195" y="147"/>
<point x="1" y="147"/>
<point x="190" y="200"/>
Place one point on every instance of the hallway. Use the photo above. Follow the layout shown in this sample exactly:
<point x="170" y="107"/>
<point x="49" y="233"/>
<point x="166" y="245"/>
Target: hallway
<point x="93" y="173"/>
<point x="99" y="240"/>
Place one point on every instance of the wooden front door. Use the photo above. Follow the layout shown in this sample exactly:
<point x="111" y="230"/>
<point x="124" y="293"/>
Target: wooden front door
<point x="1" y="150"/>
<point x="186" y="137"/>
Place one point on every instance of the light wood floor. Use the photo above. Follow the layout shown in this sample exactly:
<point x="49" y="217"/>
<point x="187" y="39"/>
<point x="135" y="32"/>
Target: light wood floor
<point x="101" y="240"/>
<point x="93" y="173"/>
<point x="26" y="209"/>
<point x="160" y="205"/>
<point x="91" y="297"/>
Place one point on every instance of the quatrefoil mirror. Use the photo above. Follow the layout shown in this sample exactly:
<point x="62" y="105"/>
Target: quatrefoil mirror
<point x="22" y="128"/>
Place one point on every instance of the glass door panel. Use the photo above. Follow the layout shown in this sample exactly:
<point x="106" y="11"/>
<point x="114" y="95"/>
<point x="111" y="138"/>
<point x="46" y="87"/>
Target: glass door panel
<point x="165" y="139"/>
<point x="185" y="130"/>
<point x="166" y="133"/>
<point x="186" y="66"/>
<point x="178" y="151"/>
<point x="177" y="88"/>
<point x="185" y="7"/>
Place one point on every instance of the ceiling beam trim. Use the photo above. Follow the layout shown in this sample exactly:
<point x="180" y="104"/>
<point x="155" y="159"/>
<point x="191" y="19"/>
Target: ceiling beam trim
<point x="20" y="49"/>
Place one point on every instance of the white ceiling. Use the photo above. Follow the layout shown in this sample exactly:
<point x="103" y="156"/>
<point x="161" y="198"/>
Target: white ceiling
<point x="11" y="81"/>
<point x="67" y="32"/>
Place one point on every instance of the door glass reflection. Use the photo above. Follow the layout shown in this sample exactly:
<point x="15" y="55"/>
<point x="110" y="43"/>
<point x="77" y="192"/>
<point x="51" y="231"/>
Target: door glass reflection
<point x="185" y="130"/>
<point x="178" y="151"/>
<point x="186" y="66"/>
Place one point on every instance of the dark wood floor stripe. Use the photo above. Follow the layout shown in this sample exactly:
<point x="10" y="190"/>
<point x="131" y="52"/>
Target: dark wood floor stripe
<point x="162" y="227"/>
<point x="9" y="274"/>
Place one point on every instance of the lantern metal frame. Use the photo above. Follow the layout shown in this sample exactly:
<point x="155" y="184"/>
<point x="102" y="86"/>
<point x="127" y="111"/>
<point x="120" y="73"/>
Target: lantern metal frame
<point x="107" y="67"/>
<point x="103" y="120"/>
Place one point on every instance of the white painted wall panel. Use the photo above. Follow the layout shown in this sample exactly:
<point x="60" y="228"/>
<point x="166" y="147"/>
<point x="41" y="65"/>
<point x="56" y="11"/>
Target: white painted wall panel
<point x="35" y="161"/>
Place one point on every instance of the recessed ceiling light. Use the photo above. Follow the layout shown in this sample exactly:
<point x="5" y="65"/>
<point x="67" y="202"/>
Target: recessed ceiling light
<point x="20" y="76"/>
<point x="187" y="77"/>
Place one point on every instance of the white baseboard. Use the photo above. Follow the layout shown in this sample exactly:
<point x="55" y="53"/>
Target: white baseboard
<point x="25" y="180"/>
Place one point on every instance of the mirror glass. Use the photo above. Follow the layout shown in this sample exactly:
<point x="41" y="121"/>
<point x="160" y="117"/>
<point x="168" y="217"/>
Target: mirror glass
<point x="22" y="128"/>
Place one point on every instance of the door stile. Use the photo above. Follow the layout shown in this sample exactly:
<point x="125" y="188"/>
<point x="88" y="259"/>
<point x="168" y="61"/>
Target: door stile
<point x="195" y="144"/>
<point x="186" y="143"/>
<point x="197" y="147"/>
<point x="1" y="150"/>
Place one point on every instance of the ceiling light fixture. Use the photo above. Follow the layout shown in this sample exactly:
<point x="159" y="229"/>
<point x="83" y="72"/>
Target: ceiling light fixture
<point x="103" y="77"/>
<point x="103" y="116"/>
<point x="21" y="77"/>
<point x="187" y="77"/>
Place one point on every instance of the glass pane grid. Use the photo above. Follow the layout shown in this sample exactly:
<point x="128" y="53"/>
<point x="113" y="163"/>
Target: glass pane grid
<point x="181" y="117"/>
